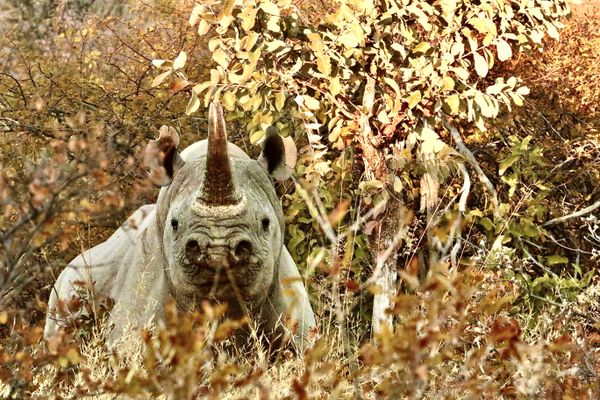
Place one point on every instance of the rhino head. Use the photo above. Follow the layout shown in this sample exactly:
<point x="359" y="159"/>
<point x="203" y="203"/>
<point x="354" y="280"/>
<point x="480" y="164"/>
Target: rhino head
<point x="219" y="217"/>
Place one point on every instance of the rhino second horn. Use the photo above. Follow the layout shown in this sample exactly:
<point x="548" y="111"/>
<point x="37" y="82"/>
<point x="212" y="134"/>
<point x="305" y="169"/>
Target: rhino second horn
<point x="218" y="188"/>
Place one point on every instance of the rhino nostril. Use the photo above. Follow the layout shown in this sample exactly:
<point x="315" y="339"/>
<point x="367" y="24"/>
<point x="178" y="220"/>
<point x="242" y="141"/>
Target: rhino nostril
<point x="243" y="250"/>
<point x="193" y="251"/>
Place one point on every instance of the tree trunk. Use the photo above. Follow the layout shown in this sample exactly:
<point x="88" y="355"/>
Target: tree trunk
<point x="383" y="242"/>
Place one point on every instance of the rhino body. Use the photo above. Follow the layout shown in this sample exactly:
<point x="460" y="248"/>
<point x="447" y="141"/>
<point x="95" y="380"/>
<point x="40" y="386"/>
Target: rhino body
<point x="215" y="234"/>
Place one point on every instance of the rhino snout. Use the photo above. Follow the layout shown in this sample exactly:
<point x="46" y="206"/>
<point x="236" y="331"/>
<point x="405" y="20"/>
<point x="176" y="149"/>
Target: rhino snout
<point x="238" y="252"/>
<point x="241" y="251"/>
<point x="195" y="253"/>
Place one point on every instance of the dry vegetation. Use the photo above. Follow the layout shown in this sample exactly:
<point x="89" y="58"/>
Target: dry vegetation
<point x="517" y="316"/>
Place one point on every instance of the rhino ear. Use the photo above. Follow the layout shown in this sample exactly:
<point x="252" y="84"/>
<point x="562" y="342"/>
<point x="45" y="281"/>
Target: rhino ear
<point x="278" y="155"/>
<point x="161" y="156"/>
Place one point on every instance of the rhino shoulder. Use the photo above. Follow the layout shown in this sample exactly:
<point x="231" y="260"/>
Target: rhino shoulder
<point x="92" y="274"/>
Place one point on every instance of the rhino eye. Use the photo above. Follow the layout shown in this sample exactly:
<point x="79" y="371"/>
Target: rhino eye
<point x="174" y="224"/>
<point x="265" y="224"/>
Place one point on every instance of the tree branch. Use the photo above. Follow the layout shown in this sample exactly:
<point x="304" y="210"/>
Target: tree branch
<point x="576" y="214"/>
<point x="468" y="155"/>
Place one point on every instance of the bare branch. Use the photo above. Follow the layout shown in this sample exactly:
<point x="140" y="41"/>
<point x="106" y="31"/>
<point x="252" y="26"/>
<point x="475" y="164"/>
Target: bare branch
<point x="576" y="214"/>
<point x="468" y="155"/>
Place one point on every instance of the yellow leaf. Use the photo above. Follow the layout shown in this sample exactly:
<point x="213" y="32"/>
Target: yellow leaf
<point x="421" y="47"/>
<point x="479" y="24"/>
<point x="431" y="142"/>
<point x="448" y="83"/>
<point x="414" y="99"/>
<point x="228" y="99"/>
<point x="311" y="102"/>
<point x="3" y="318"/>
<point x="316" y="43"/>
<point x="203" y="27"/>
<point x="383" y="117"/>
<point x="162" y="63"/>
<point x="160" y="78"/>
<point x="193" y="104"/>
<point x="273" y="24"/>
<point x="481" y="66"/>
<point x="269" y="7"/>
<point x="256" y="136"/>
<point x="195" y="15"/>
<point x="517" y="98"/>
<point x="279" y="100"/>
<point x="221" y="58"/>
<point x="504" y="50"/>
<point x="349" y="39"/>
<point x="453" y="102"/>
<point x="180" y="60"/>
<point x="392" y="83"/>
<point x="202" y="87"/>
<point x="248" y="17"/>
<point x="250" y="40"/>
<point x="324" y="65"/>
<point x="227" y="9"/>
<point x="335" y="86"/>
<point x="73" y="356"/>
<point x="551" y="30"/>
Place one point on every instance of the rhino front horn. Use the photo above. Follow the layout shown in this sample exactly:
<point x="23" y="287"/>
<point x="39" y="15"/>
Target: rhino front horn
<point x="218" y="187"/>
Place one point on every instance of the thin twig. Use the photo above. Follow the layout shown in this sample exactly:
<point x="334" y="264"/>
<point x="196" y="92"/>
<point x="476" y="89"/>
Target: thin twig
<point x="576" y="214"/>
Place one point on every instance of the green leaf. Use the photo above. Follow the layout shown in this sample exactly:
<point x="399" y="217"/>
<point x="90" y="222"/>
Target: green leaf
<point x="487" y="223"/>
<point x="556" y="259"/>
<point x="507" y="163"/>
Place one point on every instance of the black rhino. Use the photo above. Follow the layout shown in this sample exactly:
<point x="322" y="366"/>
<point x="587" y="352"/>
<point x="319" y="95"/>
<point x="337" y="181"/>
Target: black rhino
<point x="215" y="233"/>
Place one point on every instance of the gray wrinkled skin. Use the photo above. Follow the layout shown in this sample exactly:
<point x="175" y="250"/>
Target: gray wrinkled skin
<point x="240" y="259"/>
